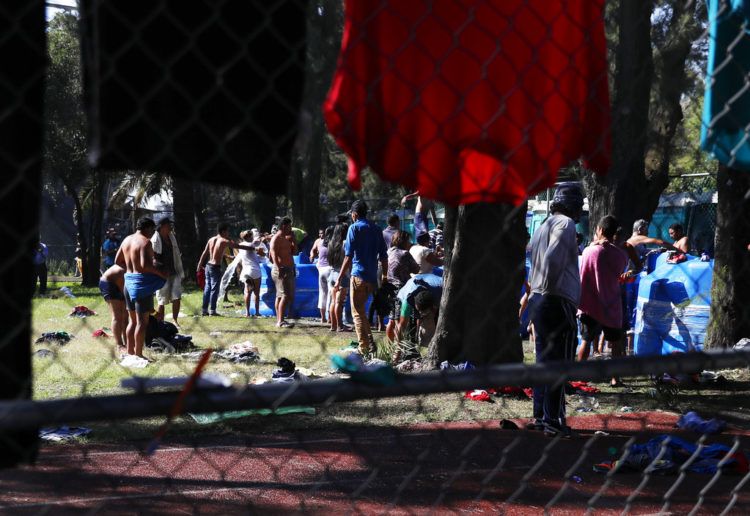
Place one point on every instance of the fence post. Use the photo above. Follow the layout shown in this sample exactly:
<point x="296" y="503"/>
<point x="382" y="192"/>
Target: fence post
<point x="23" y="53"/>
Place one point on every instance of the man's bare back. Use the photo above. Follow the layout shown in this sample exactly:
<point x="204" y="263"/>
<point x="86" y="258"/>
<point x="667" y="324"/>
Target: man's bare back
<point x="282" y="250"/>
<point x="116" y="275"/>
<point x="136" y="255"/>
<point x="217" y="246"/>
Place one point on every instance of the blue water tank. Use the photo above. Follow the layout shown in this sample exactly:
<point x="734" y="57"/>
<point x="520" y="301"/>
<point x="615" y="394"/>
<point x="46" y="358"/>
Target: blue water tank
<point x="673" y="307"/>
<point x="305" y="293"/>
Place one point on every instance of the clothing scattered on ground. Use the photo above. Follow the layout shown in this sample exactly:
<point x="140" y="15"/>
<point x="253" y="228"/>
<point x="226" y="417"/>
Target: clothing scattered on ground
<point x="287" y="372"/>
<point x="67" y="292"/>
<point x="63" y="433"/>
<point x="134" y="362"/>
<point x="380" y="373"/>
<point x="410" y="366"/>
<point x="239" y="354"/>
<point x="692" y="421"/>
<point x="583" y="387"/>
<point x="99" y="333"/>
<point x="56" y="337"/>
<point x="214" y="417"/>
<point x="204" y="381"/>
<point x="480" y="395"/>
<point x="643" y="457"/>
<point x="389" y="105"/>
<point x="241" y="80"/>
<point x="44" y="353"/>
<point x="81" y="311"/>
<point x="177" y="344"/>
<point x="461" y="366"/>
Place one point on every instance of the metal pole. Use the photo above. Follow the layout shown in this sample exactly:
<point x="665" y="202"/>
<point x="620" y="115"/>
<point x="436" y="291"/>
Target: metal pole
<point x="25" y="414"/>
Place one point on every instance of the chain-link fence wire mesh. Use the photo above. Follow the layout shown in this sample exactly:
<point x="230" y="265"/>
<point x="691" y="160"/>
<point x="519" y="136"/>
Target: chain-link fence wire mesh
<point x="293" y="421"/>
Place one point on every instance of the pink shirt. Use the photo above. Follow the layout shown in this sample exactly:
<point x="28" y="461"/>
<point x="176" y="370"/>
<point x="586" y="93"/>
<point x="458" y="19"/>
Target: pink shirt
<point x="601" y="266"/>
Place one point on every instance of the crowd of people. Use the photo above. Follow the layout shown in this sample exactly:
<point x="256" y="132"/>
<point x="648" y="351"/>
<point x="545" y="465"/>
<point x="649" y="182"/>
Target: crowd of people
<point x="563" y="294"/>
<point x="355" y="260"/>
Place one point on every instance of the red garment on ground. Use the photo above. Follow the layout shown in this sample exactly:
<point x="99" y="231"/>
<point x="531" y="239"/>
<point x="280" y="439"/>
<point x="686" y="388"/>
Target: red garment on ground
<point x="471" y="100"/>
<point x="584" y="387"/>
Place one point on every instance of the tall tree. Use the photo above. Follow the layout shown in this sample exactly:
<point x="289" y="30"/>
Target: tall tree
<point x="484" y="272"/>
<point x="325" y="25"/>
<point x="650" y="78"/>
<point x="65" y="140"/>
<point x="730" y="289"/>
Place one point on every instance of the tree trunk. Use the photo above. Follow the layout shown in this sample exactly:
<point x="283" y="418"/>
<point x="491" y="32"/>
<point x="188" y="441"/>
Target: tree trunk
<point x="483" y="277"/>
<point x="80" y="228"/>
<point x="262" y="211"/>
<point x="730" y="290"/>
<point x="184" y="222"/>
<point x="642" y="145"/>
<point x="621" y="191"/>
<point x="199" y="212"/>
<point x="92" y="272"/>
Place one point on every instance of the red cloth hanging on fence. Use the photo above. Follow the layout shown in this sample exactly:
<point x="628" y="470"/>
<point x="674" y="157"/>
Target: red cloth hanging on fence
<point x="471" y="100"/>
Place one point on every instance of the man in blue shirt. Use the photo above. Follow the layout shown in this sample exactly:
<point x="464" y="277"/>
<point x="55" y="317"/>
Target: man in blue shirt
<point x="110" y="247"/>
<point x="363" y="247"/>
<point x="40" y="266"/>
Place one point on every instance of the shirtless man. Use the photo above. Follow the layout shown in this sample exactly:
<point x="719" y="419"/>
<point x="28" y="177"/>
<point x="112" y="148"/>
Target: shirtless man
<point x="283" y="271"/>
<point x="424" y="208"/>
<point x="638" y="242"/>
<point x="142" y="279"/>
<point x="677" y="233"/>
<point x="112" y="285"/>
<point x="211" y="259"/>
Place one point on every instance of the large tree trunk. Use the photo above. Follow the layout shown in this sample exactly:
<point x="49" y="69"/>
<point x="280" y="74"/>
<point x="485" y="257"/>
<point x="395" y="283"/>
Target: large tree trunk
<point x="262" y="211"/>
<point x="730" y="290"/>
<point x="483" y="276"/>
<point x="184" y="222"/>
<point x="621" y="191"/>
<point x="324" y="40"/>
<point x="80" y="228"/>
<point x="642" y="144"/>
<point x="92" y="273"/>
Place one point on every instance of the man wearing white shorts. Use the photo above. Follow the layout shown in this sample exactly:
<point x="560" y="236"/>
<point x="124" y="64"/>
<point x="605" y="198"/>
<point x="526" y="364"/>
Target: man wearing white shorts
<point x="168" y="259"/>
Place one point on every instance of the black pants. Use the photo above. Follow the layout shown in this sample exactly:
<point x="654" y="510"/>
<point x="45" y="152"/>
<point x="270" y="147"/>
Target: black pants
<point x="555" y="330"/>
<point x="40" y="273"/>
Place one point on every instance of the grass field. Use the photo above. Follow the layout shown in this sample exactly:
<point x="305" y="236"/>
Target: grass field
<point x="88" y="366"/>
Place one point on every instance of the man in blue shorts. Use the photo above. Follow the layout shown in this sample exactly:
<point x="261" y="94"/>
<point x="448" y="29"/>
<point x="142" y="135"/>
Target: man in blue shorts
<point x="142" y="279"/>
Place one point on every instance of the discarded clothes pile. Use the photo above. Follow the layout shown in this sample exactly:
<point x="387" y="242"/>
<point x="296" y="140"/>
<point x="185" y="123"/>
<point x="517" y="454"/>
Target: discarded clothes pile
<point x="55" y="337"/>
<point x="176" y="344"/>
<point x="692" y="421"/>
<point x="214" y="417"/>
<point x="287" y="372"/>
<point x="99" y="333"/>
<point x="241" y="353"/>
<point x="63" y="433"/>
<point x="480" y="395"/>
<point x="81" y="311"/>
<point x="374" y="372"/>
<point x="676" y="452"/>
<point x="461" y="366"/>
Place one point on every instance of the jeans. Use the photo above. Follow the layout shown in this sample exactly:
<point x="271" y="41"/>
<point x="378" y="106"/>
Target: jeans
<point x="555" y="328"/>
<point x="211" y="290"/>
<point x="359" y="292"/>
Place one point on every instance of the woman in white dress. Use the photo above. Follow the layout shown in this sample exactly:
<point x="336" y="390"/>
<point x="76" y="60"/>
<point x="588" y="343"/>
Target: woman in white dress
<point x="251" y="273"/>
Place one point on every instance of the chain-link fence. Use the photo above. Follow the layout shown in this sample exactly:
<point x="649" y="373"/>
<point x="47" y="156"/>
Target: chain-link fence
<point x="517" y="341"/>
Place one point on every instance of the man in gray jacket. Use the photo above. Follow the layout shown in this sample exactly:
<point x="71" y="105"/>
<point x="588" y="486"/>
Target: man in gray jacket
<point x="555" y="291"/>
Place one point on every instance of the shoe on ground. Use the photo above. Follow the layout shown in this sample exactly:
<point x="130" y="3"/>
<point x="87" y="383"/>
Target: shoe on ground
<point x="554" y="430"/>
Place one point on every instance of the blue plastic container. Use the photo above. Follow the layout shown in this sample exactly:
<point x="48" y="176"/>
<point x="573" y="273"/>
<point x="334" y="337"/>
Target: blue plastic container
<point x="673" y="307"/>
<point x="305" y="294"/>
